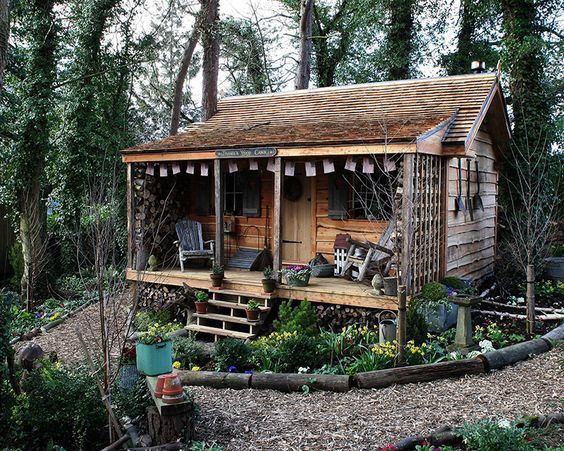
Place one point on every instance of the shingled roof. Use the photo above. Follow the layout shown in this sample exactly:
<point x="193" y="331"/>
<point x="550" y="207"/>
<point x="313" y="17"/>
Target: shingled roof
<point x="397" y="111"/>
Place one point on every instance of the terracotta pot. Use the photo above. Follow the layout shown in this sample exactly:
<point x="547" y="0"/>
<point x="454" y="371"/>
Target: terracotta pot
<point x="201" y="307"/>
<point x="160" y="384"/>
<point x="253" y="315"/>
<point x="217" y="280"/>
<point x="172" y="390"/>
<point x="268" y="285"/>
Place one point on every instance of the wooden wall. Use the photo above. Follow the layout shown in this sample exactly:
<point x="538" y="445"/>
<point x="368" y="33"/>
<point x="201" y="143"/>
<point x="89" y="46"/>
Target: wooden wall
<point x="471" y="241"/>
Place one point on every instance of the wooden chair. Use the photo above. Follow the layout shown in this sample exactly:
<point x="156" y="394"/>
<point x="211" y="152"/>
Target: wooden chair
<point x="375" y="254"/>
<point x="190" y="242"/>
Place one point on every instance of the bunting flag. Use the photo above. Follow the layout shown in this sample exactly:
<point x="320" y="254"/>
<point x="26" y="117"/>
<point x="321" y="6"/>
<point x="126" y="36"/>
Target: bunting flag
<point x="368" y="165"/>
<point x="328" y="166"/>
<point x="290" y="168"/>
<point x="310" y="168"/>
<point x="163" y="169"/>
<point x="189" y="167"/>
<point x="271" y="166"/>
<point x="389" y="165"/>
<point x="350" y="165"/>
<point x="233" y="167"/>
<point x="150" y="169"/>
<point x="175" y="168"/>
<point x="204" y="169"/>
<point x="253" y="165"/>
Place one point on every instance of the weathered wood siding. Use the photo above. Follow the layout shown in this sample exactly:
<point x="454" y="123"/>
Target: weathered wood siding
<point x="471" y="242"/>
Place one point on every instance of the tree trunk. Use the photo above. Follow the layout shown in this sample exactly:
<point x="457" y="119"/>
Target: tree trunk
<point x="4" y="35"/>
<point x="210" y="34"/>
<point x="181" y="77"/>
<point x="530" y="299"/>
<point x="306" y="24"/>
<point x="167" y="429"/>
<point x="399" y="39"/>
<point x="461" y="60"/>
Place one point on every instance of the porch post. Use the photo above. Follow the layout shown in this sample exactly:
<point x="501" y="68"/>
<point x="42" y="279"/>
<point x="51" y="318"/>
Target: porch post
<point x="407" y="207"/>
<point x="218" y="196"/>
<point x="130" y="218"/>
<point x="277" y="216"/>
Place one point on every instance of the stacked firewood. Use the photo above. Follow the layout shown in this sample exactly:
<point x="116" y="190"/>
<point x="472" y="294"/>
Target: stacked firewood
<point x="336" y="317"/>
<point x="156" y="296"/>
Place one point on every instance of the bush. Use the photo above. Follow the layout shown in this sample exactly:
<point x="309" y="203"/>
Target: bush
<point x="187" y="351"/>
<point x="131" y="402"/>
<point x="16" y="260"/>
<point x="145" y="318"/>
<point x="454" y="282"/>
<point x="433" y="292"/>
<point x="59" y="404"/>
<point x="231" y="352"/>
<point x="417" y="328"/>
<point x="487" y="435"/>
<point x="301" y="319"/>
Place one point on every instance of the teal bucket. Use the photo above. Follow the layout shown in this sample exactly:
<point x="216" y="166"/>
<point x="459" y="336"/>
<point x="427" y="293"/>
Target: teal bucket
<point x="154" y="359"/>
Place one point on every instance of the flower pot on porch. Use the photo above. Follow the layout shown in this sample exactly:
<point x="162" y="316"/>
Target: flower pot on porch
<point x="294" y="281"/>
<point x="268" y="285"/>
<point x="201" y="307"/>
<point x="253" y="315"/>
<point x="154" y="359"/>
<point x="217" y="280"/>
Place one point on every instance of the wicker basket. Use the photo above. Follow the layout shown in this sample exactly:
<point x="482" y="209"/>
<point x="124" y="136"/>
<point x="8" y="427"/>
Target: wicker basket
<point x="327" y="270"/>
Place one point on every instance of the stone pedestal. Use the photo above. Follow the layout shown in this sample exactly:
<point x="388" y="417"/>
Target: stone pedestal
<point x="463" y="339"/>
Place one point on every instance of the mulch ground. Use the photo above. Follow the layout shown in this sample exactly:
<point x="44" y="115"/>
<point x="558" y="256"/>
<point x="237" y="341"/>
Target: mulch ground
<point x="359" y="419"/>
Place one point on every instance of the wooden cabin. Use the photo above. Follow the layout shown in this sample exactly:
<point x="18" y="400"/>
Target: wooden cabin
<point x="290" y="172"/>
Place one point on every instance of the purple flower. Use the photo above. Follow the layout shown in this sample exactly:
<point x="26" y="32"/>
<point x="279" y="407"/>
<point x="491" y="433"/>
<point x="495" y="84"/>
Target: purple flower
<point x="38" y="315"/>
<point x="451" y="291"/>
<point x="232" y="369"/>
<point x="249" y="372"/>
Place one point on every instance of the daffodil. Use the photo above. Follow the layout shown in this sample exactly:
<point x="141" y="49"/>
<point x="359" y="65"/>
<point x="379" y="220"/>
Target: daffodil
<point x="176" y="365"/>
<point x="196" y="368"/>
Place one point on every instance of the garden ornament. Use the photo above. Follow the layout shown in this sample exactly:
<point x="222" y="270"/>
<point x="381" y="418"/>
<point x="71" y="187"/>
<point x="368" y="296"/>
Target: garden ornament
<point x="153" y="263"/>
<point x="377" y="284"/>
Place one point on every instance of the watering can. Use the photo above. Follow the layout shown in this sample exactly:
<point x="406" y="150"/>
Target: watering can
<point x="387" y="327"/>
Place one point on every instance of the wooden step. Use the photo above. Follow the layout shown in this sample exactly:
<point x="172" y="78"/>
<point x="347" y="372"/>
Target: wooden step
<point x="234" y="305"/>
<point x="244" y="294"/>
<point x="218" y="331"/>
<point x="227" y="318"/>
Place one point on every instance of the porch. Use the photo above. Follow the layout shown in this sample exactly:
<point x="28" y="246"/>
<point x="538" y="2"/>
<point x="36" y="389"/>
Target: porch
<point x="332" y="290"/>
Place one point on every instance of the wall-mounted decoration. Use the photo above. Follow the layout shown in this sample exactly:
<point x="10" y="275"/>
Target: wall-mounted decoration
<point x="257" y="152"/>
<point x="389" y="165"/>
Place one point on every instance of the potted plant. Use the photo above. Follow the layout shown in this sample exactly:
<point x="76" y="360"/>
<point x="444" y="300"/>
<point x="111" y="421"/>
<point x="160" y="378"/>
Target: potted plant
<point x="201" y="302"/>
<point x="217" y="275"/>
<point x="253" y="310"/>
<point x="268" y="283"/>
<point x="297" y="275"/>
<point x="153" y="350"/>
<point x="433" y="303"/>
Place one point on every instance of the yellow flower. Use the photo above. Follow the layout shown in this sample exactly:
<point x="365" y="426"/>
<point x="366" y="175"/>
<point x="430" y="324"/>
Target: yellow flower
<point x="196" y="368"/>
<point x="176" y="364"/>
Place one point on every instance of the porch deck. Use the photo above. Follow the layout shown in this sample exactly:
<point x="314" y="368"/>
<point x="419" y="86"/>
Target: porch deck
<point x="333" y="290"/>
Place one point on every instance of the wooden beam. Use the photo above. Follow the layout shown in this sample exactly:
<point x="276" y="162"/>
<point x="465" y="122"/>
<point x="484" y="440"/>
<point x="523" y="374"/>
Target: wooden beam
<point x="277" y="215"/>
<point x="218" y="193"/>
<point x="130" y="213"/>
<point x="157" y="156"/>
<point x="407" y="206"/>
<point x="444" y="186"/>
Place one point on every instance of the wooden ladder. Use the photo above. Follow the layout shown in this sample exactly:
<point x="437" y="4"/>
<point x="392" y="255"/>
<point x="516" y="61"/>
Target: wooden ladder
<point x="226" y="315"/>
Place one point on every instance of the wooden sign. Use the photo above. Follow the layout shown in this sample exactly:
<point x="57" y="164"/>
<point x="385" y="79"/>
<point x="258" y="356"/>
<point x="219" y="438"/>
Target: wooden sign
<point x="256" y="152"/>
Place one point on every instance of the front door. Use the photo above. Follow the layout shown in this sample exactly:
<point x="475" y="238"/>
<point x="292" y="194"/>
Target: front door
<point x="297" y="207"/>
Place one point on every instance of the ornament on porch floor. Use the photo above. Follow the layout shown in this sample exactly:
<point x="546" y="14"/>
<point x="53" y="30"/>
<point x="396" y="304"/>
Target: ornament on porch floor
<point x="153" y="263"/>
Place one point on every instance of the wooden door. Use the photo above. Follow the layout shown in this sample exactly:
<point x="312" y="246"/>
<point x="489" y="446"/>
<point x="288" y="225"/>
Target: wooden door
<point x="297" y="243"/>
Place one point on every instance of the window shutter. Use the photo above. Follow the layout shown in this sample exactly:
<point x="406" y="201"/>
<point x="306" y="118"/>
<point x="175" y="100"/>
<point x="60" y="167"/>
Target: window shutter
<point x="203" y="195"/>
<point x="251" y="193"/>
<point x="338" y="195"/>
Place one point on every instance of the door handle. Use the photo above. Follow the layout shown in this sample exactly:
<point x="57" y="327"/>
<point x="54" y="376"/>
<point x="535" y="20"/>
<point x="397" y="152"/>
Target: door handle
<point x="291" y="242"/>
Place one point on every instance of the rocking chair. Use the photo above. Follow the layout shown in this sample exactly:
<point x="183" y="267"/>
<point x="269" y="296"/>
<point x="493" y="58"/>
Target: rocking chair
<point x="190" y="242"/>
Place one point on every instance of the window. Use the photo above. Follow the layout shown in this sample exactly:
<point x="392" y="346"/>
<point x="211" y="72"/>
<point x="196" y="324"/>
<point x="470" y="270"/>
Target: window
<point x="372" y="195"/>
<point x="233" y="194"/>
<point x="242" y="193"/>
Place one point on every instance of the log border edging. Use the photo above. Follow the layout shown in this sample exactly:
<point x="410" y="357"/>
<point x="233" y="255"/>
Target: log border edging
<point x="289" y="382"/>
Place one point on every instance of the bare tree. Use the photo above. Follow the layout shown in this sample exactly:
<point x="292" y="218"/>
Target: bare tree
<point x="210" y="41"/>
<point x="4" y="35"/>
<point x="306" y="26"/>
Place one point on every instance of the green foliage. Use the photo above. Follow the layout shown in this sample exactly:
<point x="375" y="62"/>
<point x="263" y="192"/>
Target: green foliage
<point x="548" y="290"/>
<point x="158" y="333"/>
<point x="15" y="257"/>
<point x="202" y="296"/>
<point x="417" y="328"/>
<point x="59" y="404"/>
<point x="187" y="351"/>
<point x="253" y="305"/>
<point x="267" y="272"/>
<point x="205" y="446"/>
<point x="217" y="270"/>
<point x="144" y="318"/>
<point x="301" y="319"/>
<point x="454" y="282"/>
<point x="433" y="292"/>
<point x="498" y="336"/>
<point x="131" y="402"/>
<point x="231" y="352"/>
<point x="8" y="300"/>
<point x="487" y="435"/>
<point x="350" y="342"/>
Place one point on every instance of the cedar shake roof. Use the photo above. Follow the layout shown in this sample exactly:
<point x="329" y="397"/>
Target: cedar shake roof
<point x="397" y="111"/>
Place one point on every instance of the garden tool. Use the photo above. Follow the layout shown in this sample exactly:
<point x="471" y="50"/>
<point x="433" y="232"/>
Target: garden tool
<point x="468" y="197"/>
<point x="459" y="201"/>
<point x="477" y="198"/>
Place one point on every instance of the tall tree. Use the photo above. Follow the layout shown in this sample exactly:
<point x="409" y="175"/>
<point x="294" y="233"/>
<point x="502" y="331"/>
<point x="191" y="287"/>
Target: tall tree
<point x="26" y="142"/>
<point x="4" y="36"/>
<point x="399" y="46"/>
<point x="304" y="63"/>
<point x="210" y="42"/>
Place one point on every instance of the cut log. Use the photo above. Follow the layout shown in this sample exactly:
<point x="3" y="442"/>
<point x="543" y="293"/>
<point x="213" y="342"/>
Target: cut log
<point x="555" y="334"/>
<point x="236" y="381"/>
<point x="167" y="429"/>
<point x="515" y="353"/>
<point x="546" y="317"/>
<point x="289" y="382"/>
<point x="418" y="373"/>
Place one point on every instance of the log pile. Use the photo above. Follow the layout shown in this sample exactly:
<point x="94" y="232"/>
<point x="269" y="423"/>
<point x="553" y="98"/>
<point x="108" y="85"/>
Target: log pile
<point x="155" y="296"/>
<point x="335" y="317"/>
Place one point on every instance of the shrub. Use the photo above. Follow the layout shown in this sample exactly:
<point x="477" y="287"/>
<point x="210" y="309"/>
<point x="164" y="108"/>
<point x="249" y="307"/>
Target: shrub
<point x="488" y="435"/>
<point x="131" y="402"/>
<point x="417" y="328"/>
<point x="454" y="282"/>
<point x="145" y="318"/>
<point x="59" y="404"/>
<point x="15" y="257"/>
<point x="433" y="292"/>
<point x="231" y="352"/>
<point x="187" y="351"/>
<point x="301" y="319"/>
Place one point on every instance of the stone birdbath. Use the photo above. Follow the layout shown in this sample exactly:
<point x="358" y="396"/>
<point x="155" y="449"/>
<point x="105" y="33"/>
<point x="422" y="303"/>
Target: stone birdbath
<point x="463" y="339"/>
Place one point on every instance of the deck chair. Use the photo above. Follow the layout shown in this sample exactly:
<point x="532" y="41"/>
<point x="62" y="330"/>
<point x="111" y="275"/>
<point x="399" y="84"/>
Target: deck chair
<point x="190" y="242"/>
<point x="373" y="254"/>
